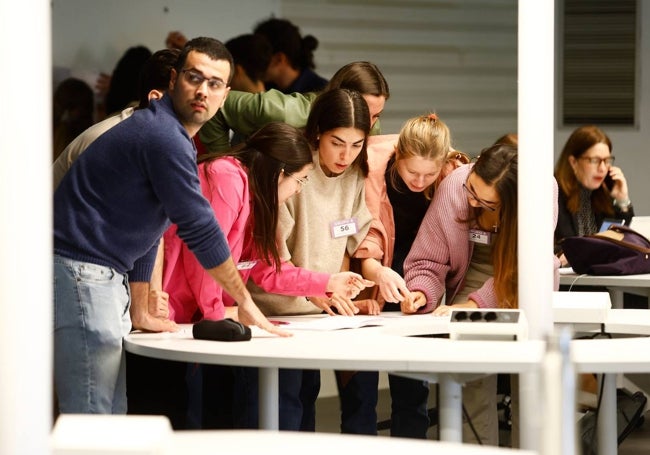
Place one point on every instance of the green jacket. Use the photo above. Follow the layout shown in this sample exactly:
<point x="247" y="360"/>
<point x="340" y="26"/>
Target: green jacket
<point x="244" y="113"/>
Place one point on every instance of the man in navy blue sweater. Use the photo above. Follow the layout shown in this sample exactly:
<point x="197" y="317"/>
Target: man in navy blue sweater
<point x="110" y="211"/>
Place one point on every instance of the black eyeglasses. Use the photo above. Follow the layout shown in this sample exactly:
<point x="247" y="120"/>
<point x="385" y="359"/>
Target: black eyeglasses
<point x="480" y="201"/>
<point x="595" y="161"/>
<point x="196" y="79"/>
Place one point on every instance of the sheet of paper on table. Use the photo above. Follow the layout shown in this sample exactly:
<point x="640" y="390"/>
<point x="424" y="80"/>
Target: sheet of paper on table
<point x="330" y="323"/>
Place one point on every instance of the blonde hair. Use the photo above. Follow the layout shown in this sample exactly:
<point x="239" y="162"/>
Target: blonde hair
<point x="425" y="136"/>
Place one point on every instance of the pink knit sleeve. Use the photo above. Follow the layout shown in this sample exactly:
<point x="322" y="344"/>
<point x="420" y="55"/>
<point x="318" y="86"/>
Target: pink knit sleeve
<point x="291" y="280"/>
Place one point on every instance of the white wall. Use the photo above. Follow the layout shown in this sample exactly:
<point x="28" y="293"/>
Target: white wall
<point x="90" y="36"/>
<point x="25" y="233"/>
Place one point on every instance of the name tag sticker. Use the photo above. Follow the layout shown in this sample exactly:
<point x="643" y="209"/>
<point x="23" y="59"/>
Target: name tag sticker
<point x="344" y="228"/>
<point x="246" y="265"/>
<point x="478" y="236"/>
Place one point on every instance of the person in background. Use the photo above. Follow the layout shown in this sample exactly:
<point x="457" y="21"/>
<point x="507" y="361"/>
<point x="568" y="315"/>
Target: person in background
<point x="591" y="187"/>
<point x="73" y="106"/>
<point x="175" y="40"/>
<point x="509" y="139"/>
<point x="252" y="55"/>
<point x="466" y="251"/>
<point x="244" y="113"/>
<point x="153" y="83"/>
<point x="123" y="87"/>
<point x="110" y="211"/>
<point x="292" y="64"/>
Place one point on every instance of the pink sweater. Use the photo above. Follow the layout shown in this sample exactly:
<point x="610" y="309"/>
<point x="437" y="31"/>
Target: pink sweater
<point x="441" y="253"/>
<point x="380" y="241"/>
<point x="193" y="293"/>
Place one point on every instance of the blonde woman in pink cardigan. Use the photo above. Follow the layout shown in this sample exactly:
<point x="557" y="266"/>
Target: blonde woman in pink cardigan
<point x="404" y="170"/>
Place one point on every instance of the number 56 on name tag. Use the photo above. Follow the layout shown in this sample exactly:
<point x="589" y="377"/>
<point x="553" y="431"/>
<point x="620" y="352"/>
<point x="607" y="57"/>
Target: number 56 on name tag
<point x="344" y="228"/>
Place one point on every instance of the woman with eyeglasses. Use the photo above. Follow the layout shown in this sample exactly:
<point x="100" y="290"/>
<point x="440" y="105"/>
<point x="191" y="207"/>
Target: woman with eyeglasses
<point x="466" y="252"/>
<point x="247" y="190"/>
<point x="591" y="187"/>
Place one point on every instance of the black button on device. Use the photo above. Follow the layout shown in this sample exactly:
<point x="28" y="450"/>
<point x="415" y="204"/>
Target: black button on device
<point x="490" y="316"/>
<point x="460" y="315"/>
<point x="475" y="316"/>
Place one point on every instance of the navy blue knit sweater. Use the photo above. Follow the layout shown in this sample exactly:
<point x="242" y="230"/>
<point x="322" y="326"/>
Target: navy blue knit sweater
<point x="120" y="195"/>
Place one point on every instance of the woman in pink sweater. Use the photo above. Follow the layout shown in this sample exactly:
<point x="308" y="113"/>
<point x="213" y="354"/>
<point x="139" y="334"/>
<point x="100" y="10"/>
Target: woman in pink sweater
<point x="466" y="251"/>
<point x="246" y="190"/>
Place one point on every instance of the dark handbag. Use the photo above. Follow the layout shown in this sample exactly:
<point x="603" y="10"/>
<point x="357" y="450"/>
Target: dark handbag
<point x="617" y="251"/>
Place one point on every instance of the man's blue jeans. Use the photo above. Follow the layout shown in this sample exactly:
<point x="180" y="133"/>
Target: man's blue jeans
<point x="91" y="318"/>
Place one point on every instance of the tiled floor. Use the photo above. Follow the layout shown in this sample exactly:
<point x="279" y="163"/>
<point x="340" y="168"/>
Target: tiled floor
<point x="328" y="420"/>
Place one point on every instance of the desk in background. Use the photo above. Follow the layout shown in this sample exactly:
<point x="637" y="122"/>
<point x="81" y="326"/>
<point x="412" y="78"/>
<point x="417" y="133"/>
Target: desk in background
<point x="616" y="285"/>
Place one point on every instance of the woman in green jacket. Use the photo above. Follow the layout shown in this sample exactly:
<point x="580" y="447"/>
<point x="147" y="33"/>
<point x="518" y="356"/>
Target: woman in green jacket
<point x="244" y="113"/>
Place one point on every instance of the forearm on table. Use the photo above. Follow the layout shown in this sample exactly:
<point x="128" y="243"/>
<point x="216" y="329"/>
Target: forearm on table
<point x="139" y="302"/>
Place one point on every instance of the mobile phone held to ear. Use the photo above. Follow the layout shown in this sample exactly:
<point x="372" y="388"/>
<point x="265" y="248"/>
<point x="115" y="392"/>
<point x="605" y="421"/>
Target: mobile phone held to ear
<point x="223" y="330"/>
<point x="608" y="182"/>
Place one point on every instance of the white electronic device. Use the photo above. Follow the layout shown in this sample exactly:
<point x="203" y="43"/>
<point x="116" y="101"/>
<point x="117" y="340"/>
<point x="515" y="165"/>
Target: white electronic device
<point x="488" y="324"/>
<point x="580" y="307"/>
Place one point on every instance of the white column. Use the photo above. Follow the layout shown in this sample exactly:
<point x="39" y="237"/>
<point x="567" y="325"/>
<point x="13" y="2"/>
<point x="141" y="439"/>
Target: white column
<point x="536" y="129"/>
<point x="25" y="227"/>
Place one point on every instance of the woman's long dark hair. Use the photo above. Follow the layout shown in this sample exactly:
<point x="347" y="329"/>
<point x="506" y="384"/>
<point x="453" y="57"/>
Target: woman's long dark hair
<point x="274" y="149"/>
<point x="340" y="108"/>
<point x="497" y="167"/>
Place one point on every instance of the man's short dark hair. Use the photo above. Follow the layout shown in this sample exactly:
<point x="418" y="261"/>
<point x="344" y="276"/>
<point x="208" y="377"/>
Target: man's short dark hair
<point x="213" y="48"/>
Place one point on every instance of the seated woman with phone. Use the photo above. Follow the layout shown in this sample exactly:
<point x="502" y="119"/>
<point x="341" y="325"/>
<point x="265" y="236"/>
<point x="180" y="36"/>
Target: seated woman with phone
<point x="592" y="190"/>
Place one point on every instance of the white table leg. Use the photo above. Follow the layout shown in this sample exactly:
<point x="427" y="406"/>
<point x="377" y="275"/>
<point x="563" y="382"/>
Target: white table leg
<point x="617" y="297"/>
<point x="269" y="399"/>
<point x="607" y="428"/>
<point x="450" y="409"/>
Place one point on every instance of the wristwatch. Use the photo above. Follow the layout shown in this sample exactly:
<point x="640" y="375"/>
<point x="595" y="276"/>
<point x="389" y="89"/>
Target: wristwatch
<point x="623" y="204"/>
